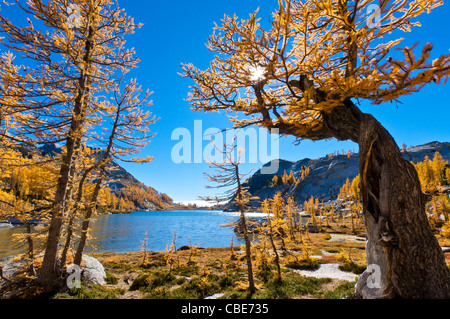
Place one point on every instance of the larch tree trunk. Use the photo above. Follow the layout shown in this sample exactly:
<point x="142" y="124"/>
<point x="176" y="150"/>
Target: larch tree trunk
<point x="274" y="248"/>
<point x="73" y="215"/>
<point x="92" y="207"/>
<point x="248" y="255"/>
<point x="49" y="273"/>
<point x="248" y="252"/>
<point x="31" y="269"/>
<point x="403" y="256"/>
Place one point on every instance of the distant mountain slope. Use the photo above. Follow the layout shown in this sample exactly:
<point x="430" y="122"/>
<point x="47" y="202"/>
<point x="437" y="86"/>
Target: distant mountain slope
<point x="121" y="182"/>
<point x="326" y="174"/>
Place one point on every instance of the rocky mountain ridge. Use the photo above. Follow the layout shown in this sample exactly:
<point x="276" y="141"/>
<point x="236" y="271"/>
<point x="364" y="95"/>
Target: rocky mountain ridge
<point x="326" y="175"/>
<point x="119" y="180"/>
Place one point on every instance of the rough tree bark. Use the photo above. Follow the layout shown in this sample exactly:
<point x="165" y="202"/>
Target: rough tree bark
<point x="401" y="249"/>
<point x="92" y="207"/>
<point x="73" y="215"/>
<point x="49" y="272"/>
<point x="403" y="255"/>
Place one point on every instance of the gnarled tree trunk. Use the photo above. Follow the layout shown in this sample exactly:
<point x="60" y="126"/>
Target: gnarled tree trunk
<point x="403" y="256"/>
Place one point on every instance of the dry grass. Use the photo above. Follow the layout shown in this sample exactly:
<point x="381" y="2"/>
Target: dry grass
<point x="197" y="273"/>
<point x="214" y="268"/>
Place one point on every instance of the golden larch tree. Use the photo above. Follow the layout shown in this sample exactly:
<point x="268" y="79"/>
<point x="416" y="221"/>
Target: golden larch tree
<point x="71" y="59"/>
<point x="304" y="74"/>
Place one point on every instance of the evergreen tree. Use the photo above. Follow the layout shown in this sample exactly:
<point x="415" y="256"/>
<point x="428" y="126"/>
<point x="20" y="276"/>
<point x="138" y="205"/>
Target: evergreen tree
<point x="304" y="172"/>
<point x="447" y="175"/>
<point x="285" y="178"/>
<point x="292" y="215"/>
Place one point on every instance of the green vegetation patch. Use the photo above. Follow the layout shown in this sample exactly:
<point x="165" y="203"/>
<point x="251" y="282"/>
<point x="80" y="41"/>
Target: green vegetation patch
<point x="352" y="267"/>
<point x="91" y="292"/>
<point x="305" y="264"/>
<point x="111" y="279"/>
<point x="196" y="288"/>
<point x="291" y="286"/>
<point x="150" y="281"/>
<point x="343" y="291"/>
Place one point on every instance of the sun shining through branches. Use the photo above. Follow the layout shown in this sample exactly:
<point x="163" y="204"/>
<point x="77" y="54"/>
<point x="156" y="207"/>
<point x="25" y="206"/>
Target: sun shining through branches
<point x="316" y="54"/>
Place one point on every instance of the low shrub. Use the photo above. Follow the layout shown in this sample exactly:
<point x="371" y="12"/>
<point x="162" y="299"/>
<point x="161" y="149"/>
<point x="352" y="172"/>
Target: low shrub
<point x="95" y="292"/>
<point x="352" y="267"/>
<point x="291" y="286"/>
<point x="304" y="264"/>
<point x="152" y="280"/>
<point x="111" y="279"/>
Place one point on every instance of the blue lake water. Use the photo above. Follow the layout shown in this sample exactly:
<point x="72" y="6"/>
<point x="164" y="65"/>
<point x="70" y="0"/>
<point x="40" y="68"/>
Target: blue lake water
<point x="126" y="233"/>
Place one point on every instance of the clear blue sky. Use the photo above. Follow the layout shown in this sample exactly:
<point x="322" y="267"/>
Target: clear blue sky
<point x="176" y="32"/>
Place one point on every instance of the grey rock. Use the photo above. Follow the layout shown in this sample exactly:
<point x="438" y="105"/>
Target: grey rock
<point x="92" y="271"/>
